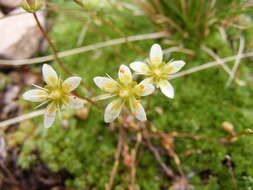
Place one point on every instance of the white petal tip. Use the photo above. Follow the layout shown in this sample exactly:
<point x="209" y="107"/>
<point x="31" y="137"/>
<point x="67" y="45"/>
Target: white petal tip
<point x="112" y="110"/>
<point x="71" y="83"/>
<point x="156" y="45"/>
<point x="169" y="96"/>
<point x="35" y="95"/>
<point x="167" y="89"/>
<point x="95" y="79"/>
<point x="139" y="67"/>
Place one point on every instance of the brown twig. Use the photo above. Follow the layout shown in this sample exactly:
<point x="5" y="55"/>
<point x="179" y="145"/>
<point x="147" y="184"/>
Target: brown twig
<point x="168" y="171"/>
<point x="55" y="54"/>
<point x="9" y="174"/>
<point x="158" y="6"/>
<point x="58" y="8"/>
<point x="167" y="142"/>
<point x="133" y="165"/>
<point x="218" y="140"/>
<point x="116" y="159"/>
<point x="198" y="137"/>
<point x="86" y="99"/>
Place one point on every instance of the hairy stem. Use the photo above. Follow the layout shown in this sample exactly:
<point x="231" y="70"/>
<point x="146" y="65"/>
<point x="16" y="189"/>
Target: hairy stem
<point x="55" y="54"/>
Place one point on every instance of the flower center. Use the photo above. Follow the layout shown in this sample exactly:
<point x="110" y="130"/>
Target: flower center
<point x="124" y="93"/>
<point x="56" y="94"/>
<point x="157" y="72"/>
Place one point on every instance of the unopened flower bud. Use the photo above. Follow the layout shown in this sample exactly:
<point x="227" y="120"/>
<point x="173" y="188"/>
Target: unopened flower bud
<point x="31" y="6"/>
<point x="228" y="127"/>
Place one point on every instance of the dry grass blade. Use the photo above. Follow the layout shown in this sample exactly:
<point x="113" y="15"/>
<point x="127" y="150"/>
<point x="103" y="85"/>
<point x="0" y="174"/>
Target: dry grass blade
<point x="168" y="171"/>
<point x="87" y="48"/>
<point x="218" y="59"/>
<point x="209" y="65"/>
<point x="168" y="144"/>
<point x="21" y="118"/>
<point x="179" y="49"/>
<point x="237" y="61"/>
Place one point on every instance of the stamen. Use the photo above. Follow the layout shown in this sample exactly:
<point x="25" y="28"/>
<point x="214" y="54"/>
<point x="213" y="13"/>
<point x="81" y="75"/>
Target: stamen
<point x="43" y="103"/>
<point x="39" y="87"/>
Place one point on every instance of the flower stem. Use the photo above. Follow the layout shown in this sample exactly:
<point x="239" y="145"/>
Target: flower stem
<point x="55" y="54"/>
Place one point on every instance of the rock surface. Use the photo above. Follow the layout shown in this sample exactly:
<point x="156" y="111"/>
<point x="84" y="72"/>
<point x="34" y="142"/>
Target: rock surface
<point x="10" y="3"/>
<point x="1" y="14"/>
<point x="19" y="36"/>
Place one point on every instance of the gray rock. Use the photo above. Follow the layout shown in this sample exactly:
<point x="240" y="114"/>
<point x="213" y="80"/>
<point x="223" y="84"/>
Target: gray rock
<point x="1" y="14"/>
<point x="10" y="3"/>
<point x="19" y="36"/>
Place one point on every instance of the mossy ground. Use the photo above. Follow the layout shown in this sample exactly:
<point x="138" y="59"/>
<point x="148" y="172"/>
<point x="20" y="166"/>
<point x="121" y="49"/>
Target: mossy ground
<point x="86" y="147"/>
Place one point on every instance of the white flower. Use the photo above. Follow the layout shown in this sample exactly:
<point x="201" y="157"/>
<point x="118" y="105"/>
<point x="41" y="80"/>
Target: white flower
<point x="127" y="93"/>
<point x="157" y="71"/>
<point x="56" y="94"/>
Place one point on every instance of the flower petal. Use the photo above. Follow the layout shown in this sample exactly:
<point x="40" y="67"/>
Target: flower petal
<point x="137" y="110"/>
<point x="49" y="75"/>
<point x="49" y="115"/>
<point x="71" y="83"/>
<point x="149" y="80"/>
<point x="166" y="88"/>
<point x="106" y="84"/>
<point x="125" y="75"/>
<point x="174" y="66"/>
<point x="144" y="88"/>
<point x="156" y="54"/>
<point x="35" y="95"/>
<point x="139" y="67"/>
<point x="113" y="110"/>
<point x="75" y="102"/>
